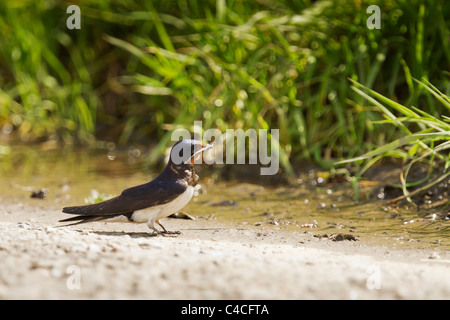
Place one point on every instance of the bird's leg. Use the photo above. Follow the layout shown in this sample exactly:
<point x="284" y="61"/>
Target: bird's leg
<point x="151" y="225"/>
<point x="165" y="231"/>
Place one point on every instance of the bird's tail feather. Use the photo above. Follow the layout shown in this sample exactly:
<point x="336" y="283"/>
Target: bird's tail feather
<point x="83" y="219"/>
<point x="87" y="209"/>
<point x="90" y="218"/>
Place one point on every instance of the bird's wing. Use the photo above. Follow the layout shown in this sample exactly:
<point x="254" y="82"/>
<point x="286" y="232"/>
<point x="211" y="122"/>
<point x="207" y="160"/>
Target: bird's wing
<point x="151" y="194"/>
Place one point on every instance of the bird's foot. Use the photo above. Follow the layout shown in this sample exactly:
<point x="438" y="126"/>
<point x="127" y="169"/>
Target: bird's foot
<point x="156" y="232"/>
<point x="166" y="232"/>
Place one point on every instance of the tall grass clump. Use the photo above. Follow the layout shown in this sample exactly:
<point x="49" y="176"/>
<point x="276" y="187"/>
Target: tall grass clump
<point x="424" y="138"/>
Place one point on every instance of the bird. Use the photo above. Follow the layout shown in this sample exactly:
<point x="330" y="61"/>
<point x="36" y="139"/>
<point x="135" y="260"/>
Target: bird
<point x="168" y="193"/>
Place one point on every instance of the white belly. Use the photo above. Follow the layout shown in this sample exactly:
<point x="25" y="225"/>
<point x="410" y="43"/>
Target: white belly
<point x="164" y="210"/>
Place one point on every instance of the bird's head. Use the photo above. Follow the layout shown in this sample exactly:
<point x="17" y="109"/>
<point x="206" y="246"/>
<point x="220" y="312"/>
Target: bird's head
<point x="185" y="152"/>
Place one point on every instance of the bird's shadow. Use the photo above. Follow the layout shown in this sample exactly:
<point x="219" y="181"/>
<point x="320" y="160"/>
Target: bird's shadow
<point x="130" y="234"/>
<point x="136" y="235"/>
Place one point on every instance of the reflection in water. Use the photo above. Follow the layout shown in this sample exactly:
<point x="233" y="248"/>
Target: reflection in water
<point x="308" y="205"/>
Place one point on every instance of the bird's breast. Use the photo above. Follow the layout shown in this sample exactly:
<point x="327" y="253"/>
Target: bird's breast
<point x="166" y="209"/>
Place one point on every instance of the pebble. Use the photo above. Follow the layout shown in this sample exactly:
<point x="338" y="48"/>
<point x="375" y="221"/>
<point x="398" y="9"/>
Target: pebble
<point x="434" y="255"/>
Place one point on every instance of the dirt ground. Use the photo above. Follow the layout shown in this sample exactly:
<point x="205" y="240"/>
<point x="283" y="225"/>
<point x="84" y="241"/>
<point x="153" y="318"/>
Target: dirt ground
<point x="211" y="259"/>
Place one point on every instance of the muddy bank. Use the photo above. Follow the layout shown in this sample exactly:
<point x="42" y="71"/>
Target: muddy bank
<point x="211" y="259"/>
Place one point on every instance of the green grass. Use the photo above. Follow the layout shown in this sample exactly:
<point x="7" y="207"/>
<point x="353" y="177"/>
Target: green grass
<point x="136" y="71"/>
<point x="429" y="142"/>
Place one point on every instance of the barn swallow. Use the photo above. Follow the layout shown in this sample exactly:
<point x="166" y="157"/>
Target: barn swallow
<point x="168" y="193"/>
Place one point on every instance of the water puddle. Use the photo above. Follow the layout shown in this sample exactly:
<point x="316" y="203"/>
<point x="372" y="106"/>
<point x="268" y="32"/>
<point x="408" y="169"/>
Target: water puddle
<point x="324" y="210"/>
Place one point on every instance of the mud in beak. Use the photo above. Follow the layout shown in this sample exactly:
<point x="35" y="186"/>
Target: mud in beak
<point x="204" y="148"/>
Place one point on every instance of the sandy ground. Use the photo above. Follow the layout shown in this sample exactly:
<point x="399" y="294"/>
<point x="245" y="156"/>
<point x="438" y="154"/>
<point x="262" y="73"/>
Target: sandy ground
<point x="209" y="260"/>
